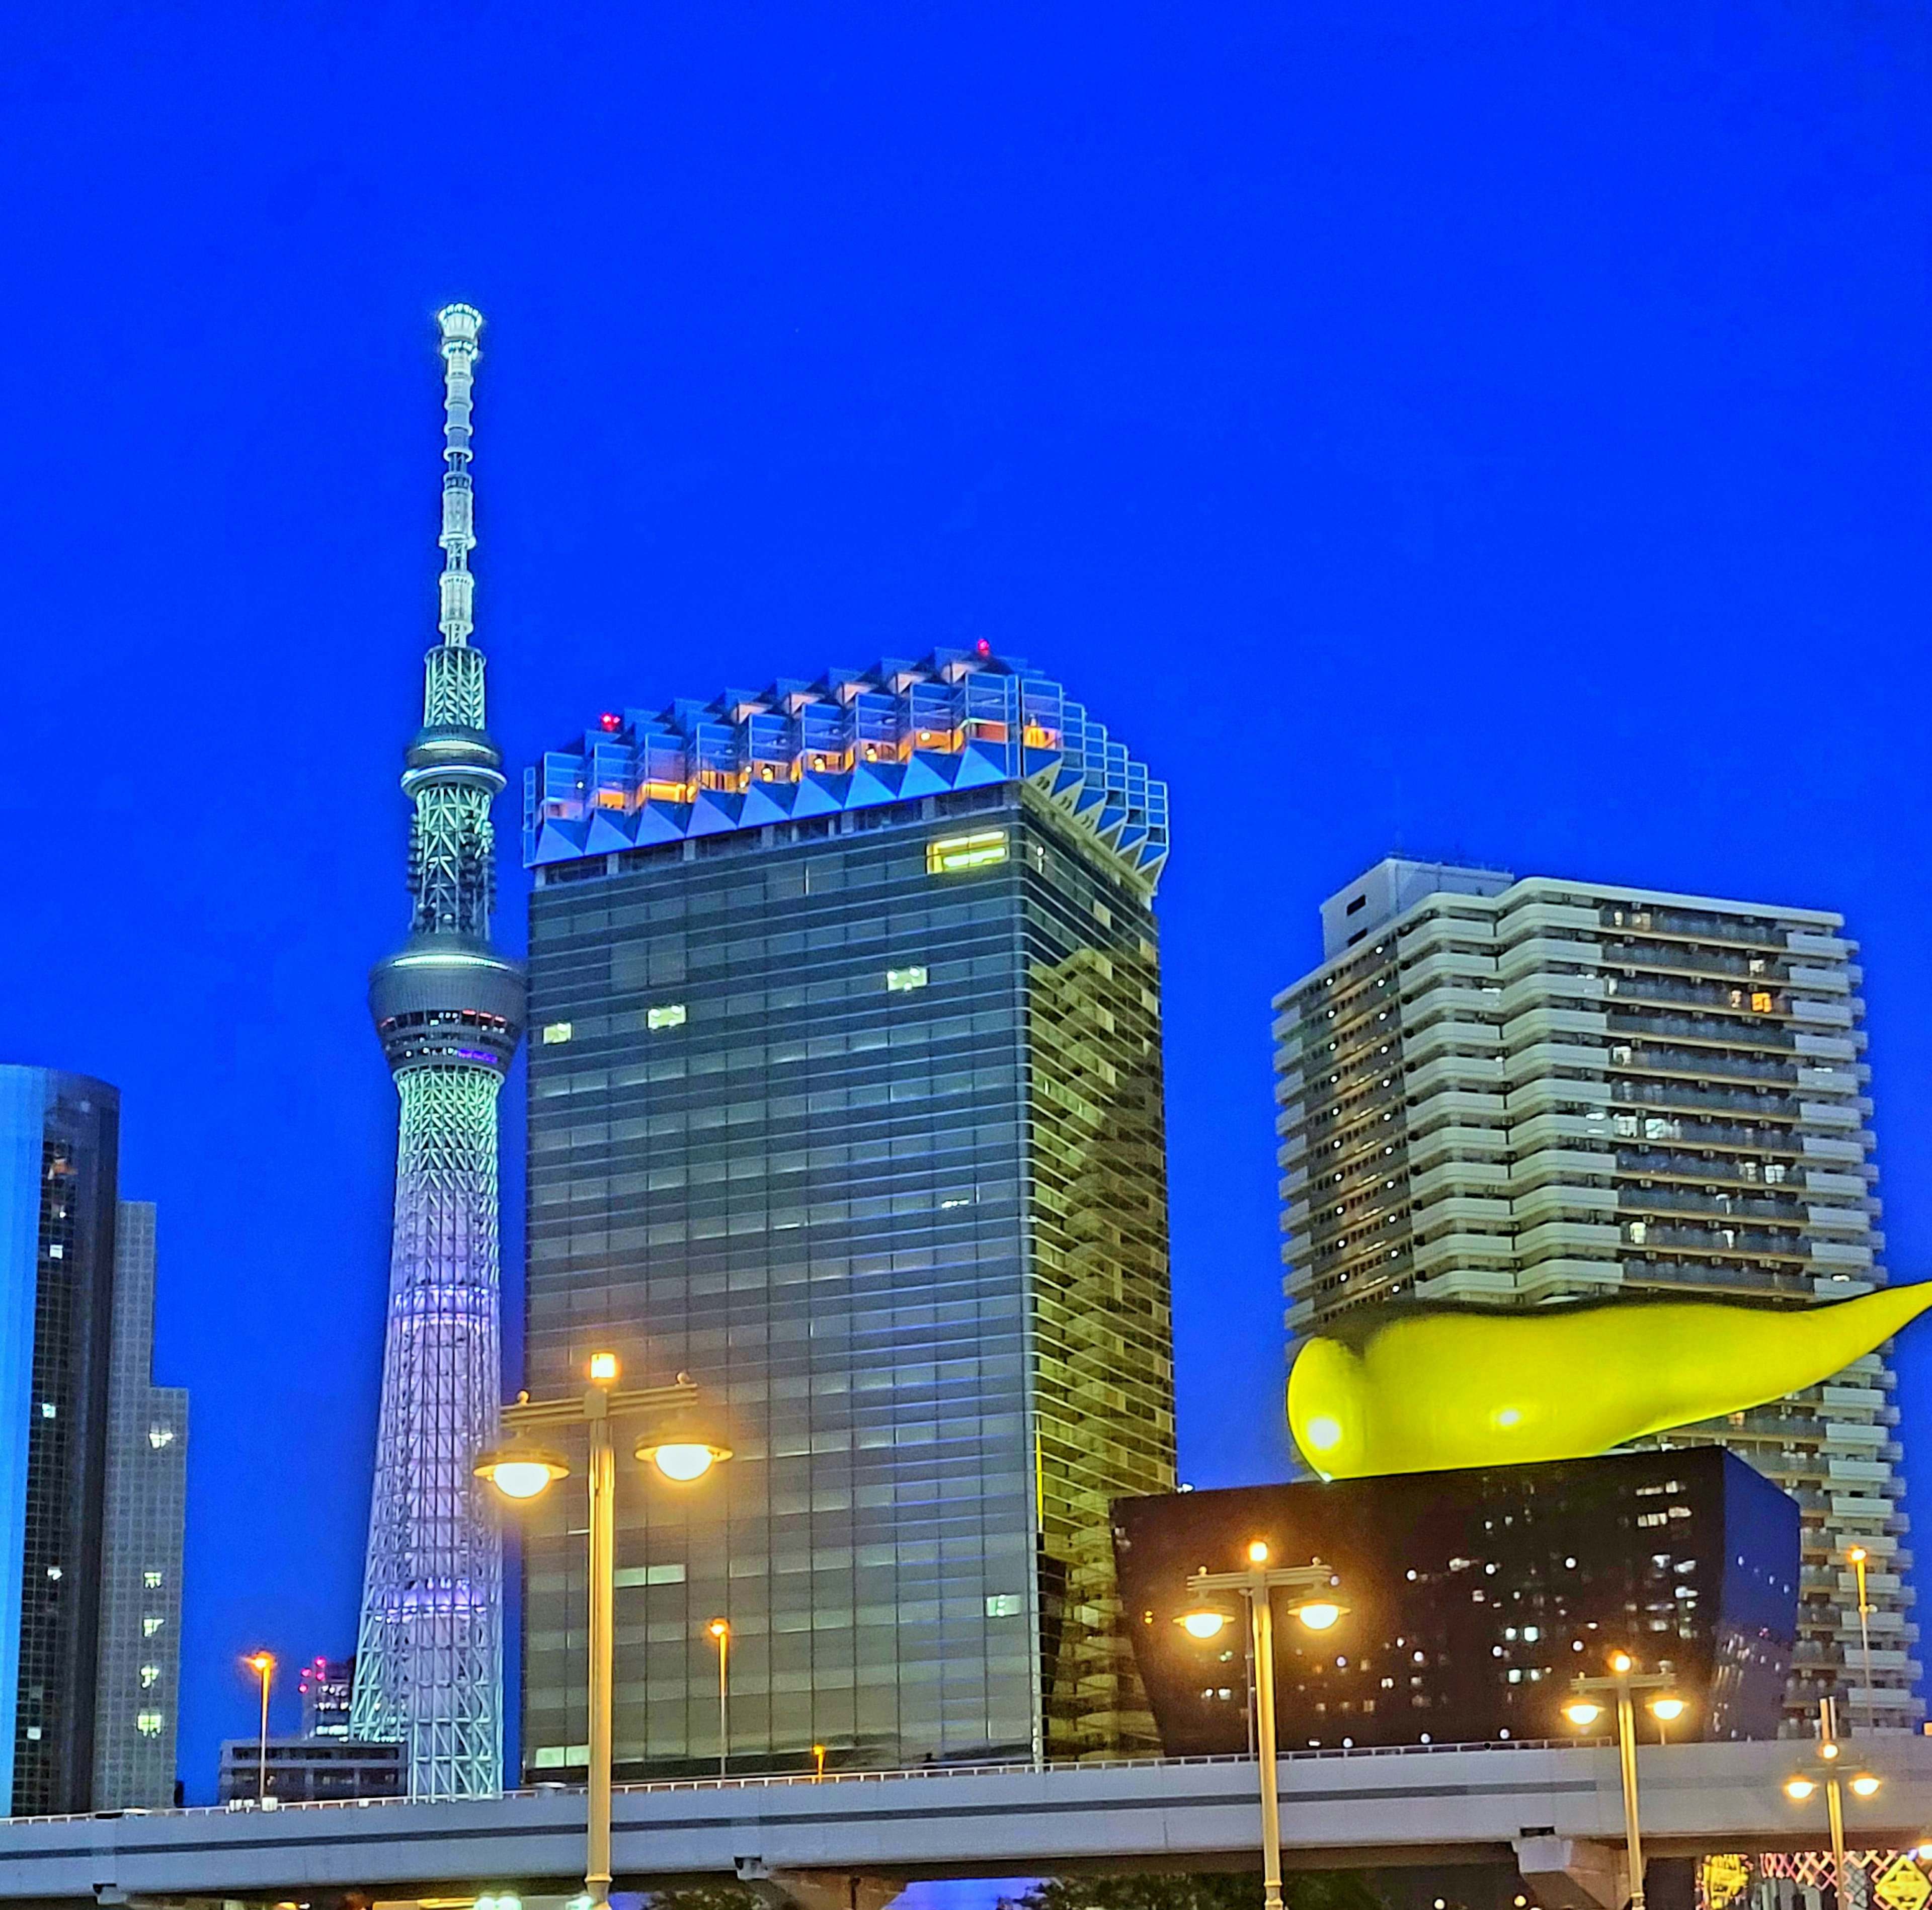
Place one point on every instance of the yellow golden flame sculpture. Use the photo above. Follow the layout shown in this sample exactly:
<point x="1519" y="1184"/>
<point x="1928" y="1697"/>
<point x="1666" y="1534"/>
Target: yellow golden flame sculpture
<point x="1424" y="1388"/>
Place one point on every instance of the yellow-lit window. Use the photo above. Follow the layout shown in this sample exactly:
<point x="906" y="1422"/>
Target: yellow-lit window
<point x="671" y="1015"/>
<point x="148" y="1723"/>
<point x="555" y="1032"/>
<point x="953" y="855"/>
<point x="1760" y="1002"/>
<point x="149" y="1627"/>
<point x="150" y="1676"/>
<point x="152" y="1580"/>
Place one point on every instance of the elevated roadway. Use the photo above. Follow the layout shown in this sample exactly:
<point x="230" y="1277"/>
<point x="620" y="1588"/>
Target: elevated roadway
<point x="851" y="1841"/>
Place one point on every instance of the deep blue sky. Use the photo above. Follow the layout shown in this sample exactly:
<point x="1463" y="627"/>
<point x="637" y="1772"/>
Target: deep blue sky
<point x="1498" y="428"/>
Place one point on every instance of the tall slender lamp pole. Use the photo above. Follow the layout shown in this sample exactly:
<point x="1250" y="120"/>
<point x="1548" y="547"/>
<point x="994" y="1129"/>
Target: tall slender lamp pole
<point x="1624" y="1681"/>
<point x="1859" y="1556"/>
<point x="522" y="1469"/>
<point x="262" y="1664"/>
<point x="721" y="1630"/>
<point x="1317" y="1608"/>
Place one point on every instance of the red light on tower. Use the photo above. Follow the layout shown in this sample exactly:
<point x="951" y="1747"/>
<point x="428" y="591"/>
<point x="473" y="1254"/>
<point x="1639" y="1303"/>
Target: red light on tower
<point x="985" y="649"/>
<point x="611" y="721"/>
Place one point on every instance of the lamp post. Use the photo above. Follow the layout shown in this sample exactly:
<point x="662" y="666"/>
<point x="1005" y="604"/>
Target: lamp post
<point x="1858" y="1555"/>
<point x="1317" y="1608"/>
<point x="1624" y="1681"/>
<point x="523" y="1469"/>
<point x="1862" y="1785"/>
<point x="262" y="1664"/>
<point x="720" y="1629"/>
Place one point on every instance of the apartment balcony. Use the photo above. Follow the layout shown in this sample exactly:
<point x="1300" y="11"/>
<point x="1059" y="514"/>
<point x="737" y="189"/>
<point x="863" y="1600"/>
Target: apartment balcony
<point x="1551" y="1237"/>
<point x="1450" y="1036"/>
<point x="1459" y="1210"/>
<point x="1840" y="1256"/>
<point x="1450" y="1141"/>
<point x="1536" y="1167"/>
<point x="1441" y="966"/>
<point x="1548" y="1129"/>
<point x="1595" y="1207"/>
<point x="1480" y="1283"/>
<point x="1814" y="980"/>
<point x="1470" y="1252"/>
<point x="1480" y="1109"/>
<point x="1538" y="1058"/>
<point x="1544" y="1023"/>
<point x="1853" y="1222"/>
<point x="1454" y="1072"/>
<point x="1583" y="993"/>
<point x="1480" y="1178"/>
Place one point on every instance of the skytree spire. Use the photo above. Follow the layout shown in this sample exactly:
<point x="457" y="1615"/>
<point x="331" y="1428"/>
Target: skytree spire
<point x="449" y="1011"/>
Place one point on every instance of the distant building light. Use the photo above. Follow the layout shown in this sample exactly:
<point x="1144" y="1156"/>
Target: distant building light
<point x="49" y="1410"/>
<point x="902" y="980"/>
<point x="148" y="1723"/>
<point x="953" y="855"/>
<point x="159" y="1436"/>
<point x="555" y="1032"/>
<point x="611" y="721"/>
<point x="671" y="1015"/>
<point x="152" y="1580"/>
<point x="1003" y="1605"/>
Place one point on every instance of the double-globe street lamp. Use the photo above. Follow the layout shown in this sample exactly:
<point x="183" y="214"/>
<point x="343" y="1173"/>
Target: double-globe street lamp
<point x="1624" y="1682"/>
<point x="1313" y="1602"/>
<point x="670" y="1439"/>
<point x="1830" y="1779"/>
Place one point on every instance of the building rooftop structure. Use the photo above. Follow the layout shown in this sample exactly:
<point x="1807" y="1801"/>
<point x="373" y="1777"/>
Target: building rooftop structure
<point x="958" y="719"/>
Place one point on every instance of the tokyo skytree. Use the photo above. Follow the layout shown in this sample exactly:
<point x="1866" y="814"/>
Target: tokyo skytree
<point x="449" y="1011"/>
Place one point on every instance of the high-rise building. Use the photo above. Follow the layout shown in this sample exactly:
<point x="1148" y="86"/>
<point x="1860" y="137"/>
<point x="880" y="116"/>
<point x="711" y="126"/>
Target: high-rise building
<point x="1526" y="1092"/>
<point x="848" y="1101"/>
<point x="326" y="1686"/>
<point x="59" y="1156"/>
<point x="449" y="1011"/>
<point x="141" y="1553"/>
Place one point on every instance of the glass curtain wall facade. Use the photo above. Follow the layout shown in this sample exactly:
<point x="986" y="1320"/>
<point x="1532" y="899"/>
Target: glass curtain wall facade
<point x="146" y="1515"/>
<point x="1521" y="1091"/>
<point x="857" y="1119"/>
<point x="59" y="1154"/>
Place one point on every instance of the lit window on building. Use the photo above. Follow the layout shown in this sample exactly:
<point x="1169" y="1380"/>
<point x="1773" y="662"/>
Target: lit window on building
<point x="159" y="1436"/>
<point x="152" y="1580"/>
<point x="1003" y="1605"/>
<point x="49" y="1410"/>
<point x="671" y="1015"/>
<point x="148" y="1723"/>
<point x="953" y="855"/>
<point x="555" y="1032"/>
<point x="150" y="1676"/>
<point x="902" y="980"/>
<point x="151" y="1626"/>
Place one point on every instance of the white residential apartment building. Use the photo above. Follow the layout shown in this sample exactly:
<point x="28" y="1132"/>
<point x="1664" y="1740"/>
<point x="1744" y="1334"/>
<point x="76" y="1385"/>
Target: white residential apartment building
<point x="1526" y="1092"/>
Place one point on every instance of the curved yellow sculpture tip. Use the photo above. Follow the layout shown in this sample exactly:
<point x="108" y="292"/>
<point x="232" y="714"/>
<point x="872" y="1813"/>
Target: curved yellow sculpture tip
<point x="1425" y="1388"/>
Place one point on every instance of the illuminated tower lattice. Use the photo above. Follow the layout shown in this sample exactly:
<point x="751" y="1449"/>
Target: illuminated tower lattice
<point x="449" y="1010"/>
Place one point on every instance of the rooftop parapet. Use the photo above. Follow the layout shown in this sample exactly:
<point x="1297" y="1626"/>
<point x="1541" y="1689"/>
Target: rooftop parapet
<point x="853" y="739"/>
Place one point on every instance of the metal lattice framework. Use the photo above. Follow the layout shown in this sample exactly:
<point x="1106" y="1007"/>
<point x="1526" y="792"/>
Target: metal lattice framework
<point x="449" y="1010"/>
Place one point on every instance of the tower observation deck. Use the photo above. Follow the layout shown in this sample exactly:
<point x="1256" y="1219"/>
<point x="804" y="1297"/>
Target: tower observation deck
<point x="449" y="1011"/>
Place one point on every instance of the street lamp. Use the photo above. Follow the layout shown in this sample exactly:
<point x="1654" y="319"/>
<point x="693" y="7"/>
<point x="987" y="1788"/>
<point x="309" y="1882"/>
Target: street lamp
<point x="1316" y="1608"/>
<point x="1858" y="1555"/>
<point x="720" y="1629"/>
<point x="262" y="1664"/>
<point x="522" y="1468"/>
<point x="1583" y="1710"/>
<point x="1863" y="1785"/>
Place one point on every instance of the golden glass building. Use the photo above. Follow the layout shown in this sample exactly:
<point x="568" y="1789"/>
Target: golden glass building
<point x="1524" y="1092"/>
<point x="845" y="1098"/>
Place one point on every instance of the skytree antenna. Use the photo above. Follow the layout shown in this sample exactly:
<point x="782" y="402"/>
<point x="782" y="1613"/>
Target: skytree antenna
<point x="449" y="1011"/>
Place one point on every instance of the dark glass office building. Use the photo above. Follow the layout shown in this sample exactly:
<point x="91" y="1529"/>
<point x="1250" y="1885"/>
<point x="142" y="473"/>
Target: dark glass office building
<point x="1474" y="1597"/>
<point x="845" y="1098"/>
<point x="59" y="1153"/>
